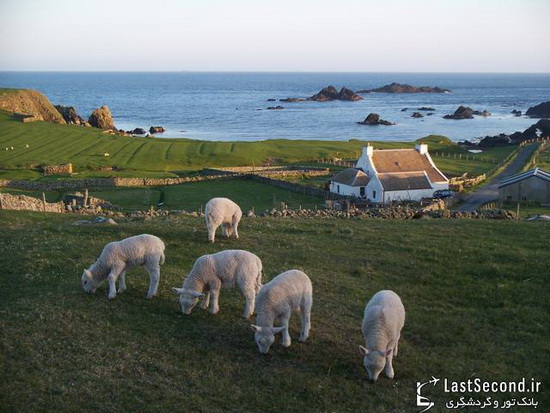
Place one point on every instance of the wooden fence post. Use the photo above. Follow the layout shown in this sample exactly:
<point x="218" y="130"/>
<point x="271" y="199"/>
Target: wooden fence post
<point x="44" y="201"/>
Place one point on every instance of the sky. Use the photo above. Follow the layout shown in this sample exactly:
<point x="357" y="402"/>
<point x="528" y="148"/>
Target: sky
<point x="283" y="35"/>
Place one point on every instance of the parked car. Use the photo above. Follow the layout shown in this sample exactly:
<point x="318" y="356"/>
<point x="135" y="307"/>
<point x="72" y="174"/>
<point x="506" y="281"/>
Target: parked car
<point x="443" y="193"/>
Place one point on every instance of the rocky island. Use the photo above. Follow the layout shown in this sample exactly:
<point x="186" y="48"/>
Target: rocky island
<point x="404" y="88"/>
<point x="374" y="119"/>
<point x="331" y="93"/>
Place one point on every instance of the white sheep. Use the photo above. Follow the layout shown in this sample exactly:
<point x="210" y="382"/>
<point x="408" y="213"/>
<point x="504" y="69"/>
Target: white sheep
<point x="119" y="256"/>
<point x="287" y="292"/>
<point x="223" y="269"/>
<point x="382" y="323"/>
<point x="224" y="212"/>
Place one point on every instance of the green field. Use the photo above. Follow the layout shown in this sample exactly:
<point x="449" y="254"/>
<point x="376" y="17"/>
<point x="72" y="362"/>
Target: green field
<point x="192" y="196"/>
<point x="476" y="294"/>
<point x="85" y="148"/>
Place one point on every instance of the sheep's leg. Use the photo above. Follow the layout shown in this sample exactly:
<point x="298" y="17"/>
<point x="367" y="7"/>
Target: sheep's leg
<point x="112" y="277"/>
<point x="153" y="268"/>
<point x="211" y="228"/>
<point x="305" y="315"/>
<point x="205" y="300"/>
<point x="388" y="370"/>
<point x="250" y="299"/>
<point x="235" y="226"/>
<point x="214" y="295"/>
<point x="286" y="335"/>
<point x="396" y="344"/>
<point x="225" y="230"/>
<point x="122" y="282"/>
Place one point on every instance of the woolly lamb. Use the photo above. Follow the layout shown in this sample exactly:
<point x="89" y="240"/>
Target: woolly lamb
<point x="289" y="291"/>
<point x="223" y="269"/>
<point x="382" y="323"/>
<point x="119" y="256"/>
<point x="224" y="212"/>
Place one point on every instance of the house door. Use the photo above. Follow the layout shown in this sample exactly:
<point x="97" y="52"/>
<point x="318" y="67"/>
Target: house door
<point x="362" y="191"/>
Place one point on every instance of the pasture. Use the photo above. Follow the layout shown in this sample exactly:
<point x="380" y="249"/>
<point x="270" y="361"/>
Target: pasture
<point x="160" y="157"/>
<point x="476" y="295"/>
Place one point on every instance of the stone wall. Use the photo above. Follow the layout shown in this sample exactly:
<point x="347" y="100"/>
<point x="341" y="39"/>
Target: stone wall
<point x="302" y="189"/>
<point x="27" y="203"/>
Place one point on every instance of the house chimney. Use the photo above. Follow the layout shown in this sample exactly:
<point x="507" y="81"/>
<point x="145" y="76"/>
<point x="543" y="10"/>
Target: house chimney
<point x="422" y="148"/>
<point x="368" y="150"/>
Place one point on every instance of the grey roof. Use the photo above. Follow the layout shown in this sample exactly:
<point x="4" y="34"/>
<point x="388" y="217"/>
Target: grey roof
<point x="537" y="172"/>
<point x="404" y="181"/>
<point x="351" y="177"/>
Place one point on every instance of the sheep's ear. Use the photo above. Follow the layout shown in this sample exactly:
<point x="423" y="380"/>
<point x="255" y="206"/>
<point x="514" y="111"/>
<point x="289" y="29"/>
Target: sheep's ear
<point x="363" y="350"/>
<point x="255" y="328"/>
<point x="196" y="294"/>
<point x="277" y="330"/>
<point x="386" y="353"/>
<point x="178" y="291"/>
<point x="88" y="274"/>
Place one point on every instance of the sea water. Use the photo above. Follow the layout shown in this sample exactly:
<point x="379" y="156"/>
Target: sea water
<point x="233" y="106"/>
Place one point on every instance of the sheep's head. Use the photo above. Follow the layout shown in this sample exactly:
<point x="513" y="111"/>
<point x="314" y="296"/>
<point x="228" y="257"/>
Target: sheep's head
<point x="265" y="336"/>
<point x="88" y="283"/>
<point x="374" y="361"/>
<point x="188" y="299"/>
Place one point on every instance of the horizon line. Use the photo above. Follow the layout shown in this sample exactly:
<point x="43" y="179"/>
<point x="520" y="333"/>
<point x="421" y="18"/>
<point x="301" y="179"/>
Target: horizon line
<point x="274" y="71"/>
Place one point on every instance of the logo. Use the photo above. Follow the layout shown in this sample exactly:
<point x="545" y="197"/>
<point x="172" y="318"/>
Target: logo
<point x="423" y="401"/>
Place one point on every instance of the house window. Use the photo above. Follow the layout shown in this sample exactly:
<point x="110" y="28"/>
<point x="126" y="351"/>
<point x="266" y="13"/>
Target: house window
<point x="373" y="194"/>
<point x="509" y="198"/>
<point x="362" y="191"/>
<point x="337" y="189"/>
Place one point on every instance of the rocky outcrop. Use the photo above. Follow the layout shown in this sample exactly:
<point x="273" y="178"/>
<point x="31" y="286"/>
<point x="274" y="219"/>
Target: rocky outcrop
<point x="101" y="118"/>
<point x="138" y="131"/>
<point x="541" y="129"/>
<point x="427" y="109"/>
<point x="539" y="111"/>
<point x="417" y="115"/>
<point x="404" y="88"/>
<point x="291" y="100"/>
<point x="156" y="129"/>
<point x="278" y="107"/>
<point x="69" y="115"/>
<point x="463" y="112"/>
<point x="374" y="119"/>
<point x="516" y="112"/>
<point x="330" y="93"/>
<point x="483" y="113"/>
<point x="29" y="104"/>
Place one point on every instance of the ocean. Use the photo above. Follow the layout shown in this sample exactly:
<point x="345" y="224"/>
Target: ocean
<point x="233" y="106"/>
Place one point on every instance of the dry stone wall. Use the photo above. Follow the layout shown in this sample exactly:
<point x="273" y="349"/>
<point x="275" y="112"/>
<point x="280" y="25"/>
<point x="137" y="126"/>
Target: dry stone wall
<point x="27" y="203"/>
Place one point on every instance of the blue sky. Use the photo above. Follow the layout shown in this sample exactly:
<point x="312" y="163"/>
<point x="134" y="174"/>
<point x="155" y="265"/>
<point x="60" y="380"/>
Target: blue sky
<point x="282" y="35"/>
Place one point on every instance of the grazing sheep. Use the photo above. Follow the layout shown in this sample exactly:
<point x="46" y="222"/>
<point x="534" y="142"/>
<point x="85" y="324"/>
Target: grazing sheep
<point x="382" y="323"/>
<point x="224" y="212"/>
<point x="289" y="291"/>
<point x="119" y="256"/>
<point x="223" y="269"/>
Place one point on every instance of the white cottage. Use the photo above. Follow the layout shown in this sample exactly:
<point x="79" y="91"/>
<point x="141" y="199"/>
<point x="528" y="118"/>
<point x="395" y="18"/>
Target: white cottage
<point x="389" y="175"/>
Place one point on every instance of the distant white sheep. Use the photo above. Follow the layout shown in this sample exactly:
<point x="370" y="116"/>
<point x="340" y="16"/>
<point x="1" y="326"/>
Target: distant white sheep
<point x="224" y="212"/>
<point x="106" y="154"/>
<point x="119" y="256"/>
<point x="288" y="292"/>
<point x="382" y="323"/>
<point x="223" y="269"/>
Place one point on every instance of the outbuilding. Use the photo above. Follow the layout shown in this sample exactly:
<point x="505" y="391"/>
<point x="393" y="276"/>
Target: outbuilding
<point x="532" y="185"/>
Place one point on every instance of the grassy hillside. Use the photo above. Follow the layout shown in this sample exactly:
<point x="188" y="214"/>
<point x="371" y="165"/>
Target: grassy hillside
<point x="476" y="294"/>
<point x="86" y="149"/>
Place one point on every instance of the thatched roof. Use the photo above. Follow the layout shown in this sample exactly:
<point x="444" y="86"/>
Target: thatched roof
<point x="351" y="177"/>
<point x="405" y="160"/>
<point x="403" y="181"/>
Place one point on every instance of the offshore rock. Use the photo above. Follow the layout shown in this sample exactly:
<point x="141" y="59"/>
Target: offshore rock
<point x="101" y="118"/>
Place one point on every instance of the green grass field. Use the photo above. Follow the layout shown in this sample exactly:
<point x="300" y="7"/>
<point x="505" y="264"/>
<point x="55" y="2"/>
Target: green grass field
<point x="476" y="294"/>
<point x="192" y="196"/>
<point x="85" y="148"/>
